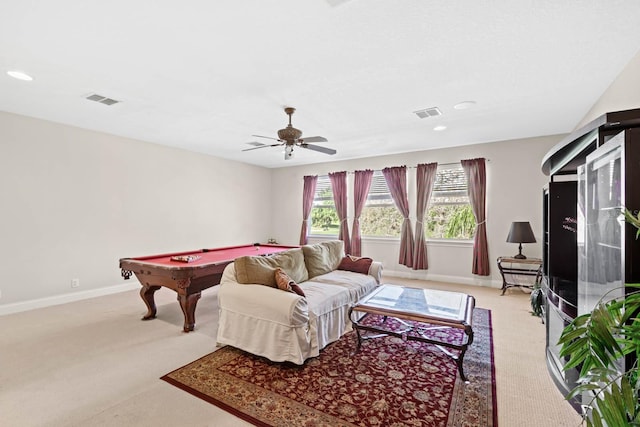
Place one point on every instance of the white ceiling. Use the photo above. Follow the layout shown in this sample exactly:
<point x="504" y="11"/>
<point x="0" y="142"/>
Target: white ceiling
<point x="205" y="75"/>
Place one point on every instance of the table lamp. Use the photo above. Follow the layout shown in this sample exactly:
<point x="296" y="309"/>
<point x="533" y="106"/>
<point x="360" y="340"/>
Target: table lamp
<point x="520" y="233"/>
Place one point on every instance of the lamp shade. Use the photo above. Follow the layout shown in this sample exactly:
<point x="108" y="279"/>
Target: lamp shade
<point x="521" y="232"/>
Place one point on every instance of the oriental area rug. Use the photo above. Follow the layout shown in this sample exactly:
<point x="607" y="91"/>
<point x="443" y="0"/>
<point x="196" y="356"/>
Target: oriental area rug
<point x="389" y="382"/>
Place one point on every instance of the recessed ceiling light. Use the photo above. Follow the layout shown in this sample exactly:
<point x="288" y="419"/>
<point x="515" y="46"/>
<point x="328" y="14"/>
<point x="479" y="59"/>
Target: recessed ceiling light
<point x="464" y="105"/>
<point x="439" y="128"/>
<point x="19" y="75"/>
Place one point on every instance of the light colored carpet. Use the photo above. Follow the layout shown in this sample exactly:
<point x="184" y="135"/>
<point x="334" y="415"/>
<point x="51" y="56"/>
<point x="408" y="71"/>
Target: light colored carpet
<point x="94" y="362"/>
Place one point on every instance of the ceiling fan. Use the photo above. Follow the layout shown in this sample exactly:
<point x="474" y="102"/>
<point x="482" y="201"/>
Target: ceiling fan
<point x="291" y="137"/>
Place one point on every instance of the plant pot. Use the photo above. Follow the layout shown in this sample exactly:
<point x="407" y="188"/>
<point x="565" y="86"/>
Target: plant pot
<point x="537" y="302"/>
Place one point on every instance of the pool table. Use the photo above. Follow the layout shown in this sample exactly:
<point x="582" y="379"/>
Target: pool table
<point x="188" y="279"/>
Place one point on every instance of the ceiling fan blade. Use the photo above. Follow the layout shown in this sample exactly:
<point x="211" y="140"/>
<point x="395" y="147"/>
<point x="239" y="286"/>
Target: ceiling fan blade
<point x="262" y="146"/>
<point x="318" y="148"/>
<point x="315" y="139"/>
<point x="268" y="137"/>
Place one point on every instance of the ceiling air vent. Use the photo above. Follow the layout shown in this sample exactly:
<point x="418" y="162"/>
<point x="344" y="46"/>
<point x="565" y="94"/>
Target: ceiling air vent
<point x="428" y="112"/>
<point x="102" y="99"/>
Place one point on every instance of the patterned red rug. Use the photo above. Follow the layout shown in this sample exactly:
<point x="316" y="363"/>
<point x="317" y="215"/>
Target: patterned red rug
<point x="389" y="382"/>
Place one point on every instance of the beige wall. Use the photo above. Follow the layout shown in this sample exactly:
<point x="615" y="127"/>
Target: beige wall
<point x="75" y="201"/>
<point x="514" y="193"/>
<point x="622" y="94"/>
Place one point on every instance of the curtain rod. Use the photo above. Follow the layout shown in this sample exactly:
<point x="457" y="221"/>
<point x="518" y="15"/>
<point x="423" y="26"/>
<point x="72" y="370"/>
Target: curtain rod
<point x="450" y="163"/>
<point x="439" y="164"/>
<point x="415" y="167"/>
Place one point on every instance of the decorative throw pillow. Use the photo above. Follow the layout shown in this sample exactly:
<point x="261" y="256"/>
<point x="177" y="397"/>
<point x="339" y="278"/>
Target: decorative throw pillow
<point x="259" y="269"/>
<point x="323" y="257"/>
<point x="355" y="264"/>
<point x="285" y="283"/>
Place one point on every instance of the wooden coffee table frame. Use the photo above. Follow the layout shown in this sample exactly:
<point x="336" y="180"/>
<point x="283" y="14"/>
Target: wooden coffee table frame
<point x="416" y="332"/>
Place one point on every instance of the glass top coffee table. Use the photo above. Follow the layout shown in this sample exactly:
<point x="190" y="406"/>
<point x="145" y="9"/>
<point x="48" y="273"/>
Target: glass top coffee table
<point x="429" y="308"/>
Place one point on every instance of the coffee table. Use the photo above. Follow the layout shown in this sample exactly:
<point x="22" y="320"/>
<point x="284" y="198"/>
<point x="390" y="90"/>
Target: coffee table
<point x="430" y="308"/>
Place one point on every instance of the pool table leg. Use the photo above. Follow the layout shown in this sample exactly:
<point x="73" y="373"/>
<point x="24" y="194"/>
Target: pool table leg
<point x="146" y="293"/>
<point x="188" y="305"/>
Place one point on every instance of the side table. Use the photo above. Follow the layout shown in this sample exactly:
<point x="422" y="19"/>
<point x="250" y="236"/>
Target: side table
<point x="518" y="272"/>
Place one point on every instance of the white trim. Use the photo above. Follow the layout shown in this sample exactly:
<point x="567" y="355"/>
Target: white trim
<point x="381" y="239"/>
<point x="396" y="240"/>
<point x="430" y="242"/>
<point x="63" y="299"/>
<point x="458" y="243"/>
<point x="322" y="237"/>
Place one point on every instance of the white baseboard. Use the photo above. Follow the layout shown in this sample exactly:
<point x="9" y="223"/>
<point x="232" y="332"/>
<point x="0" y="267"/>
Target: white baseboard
<point x="422" y="275"/>
<point x="63" y="299"/>
<point x="93" y="293"/>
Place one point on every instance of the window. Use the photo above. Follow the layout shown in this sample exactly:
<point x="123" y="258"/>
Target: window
<point x="450" y="215"/>
<point x="380" y="217"/>
<point x="324" y="218"/>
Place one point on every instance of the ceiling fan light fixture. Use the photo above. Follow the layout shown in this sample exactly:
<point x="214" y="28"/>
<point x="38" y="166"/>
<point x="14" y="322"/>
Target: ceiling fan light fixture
<point x="288" y="152"/>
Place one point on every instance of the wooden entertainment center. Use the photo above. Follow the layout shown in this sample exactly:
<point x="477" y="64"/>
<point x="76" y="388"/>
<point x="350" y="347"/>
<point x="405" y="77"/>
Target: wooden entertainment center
<point x="588" y="249"/>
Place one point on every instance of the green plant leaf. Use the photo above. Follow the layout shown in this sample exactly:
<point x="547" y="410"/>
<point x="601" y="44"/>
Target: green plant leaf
<point x="628" y="396"/>
<point x="599" y="375"/>
<point x="595" y="421"/>
<point x="581" y="389"/>
<point x="631" y="219"/>
<point x="594" y="342"/>
<point x="578" y="343"/>
<point x="571" y="335"/>
<point x="602" y="331"/>
<point x="577" y="358"/>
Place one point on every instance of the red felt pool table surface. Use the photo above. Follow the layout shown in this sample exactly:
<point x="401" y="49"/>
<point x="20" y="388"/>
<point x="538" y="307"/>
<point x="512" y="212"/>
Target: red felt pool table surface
<point x="188" y="279"/>
<point x="212" y="256"/>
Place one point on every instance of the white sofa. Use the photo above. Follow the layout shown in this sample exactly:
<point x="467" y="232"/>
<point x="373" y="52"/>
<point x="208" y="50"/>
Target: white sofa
<point x="284" y="326"/>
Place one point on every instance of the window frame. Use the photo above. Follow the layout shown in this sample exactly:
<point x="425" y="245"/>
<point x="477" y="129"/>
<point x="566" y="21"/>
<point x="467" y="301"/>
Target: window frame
<point x="461" y="186"/>
<point x="378" y="191"/>
<point x="323" y="183"/>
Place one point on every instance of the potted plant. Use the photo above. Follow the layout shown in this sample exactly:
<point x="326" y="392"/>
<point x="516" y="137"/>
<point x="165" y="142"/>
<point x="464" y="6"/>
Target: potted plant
<point x="537" y="300"/>
<point x="594" y="343"/>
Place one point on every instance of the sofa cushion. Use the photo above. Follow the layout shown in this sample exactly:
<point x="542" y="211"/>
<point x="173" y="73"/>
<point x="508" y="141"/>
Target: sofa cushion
<point x="357" y="284"/>
<point x="323" y="257"/>
<point x="284" y="282"/>
<point x="323" y="298"/>
<point x="261" y="269"/>
<point x="355" y="264"/>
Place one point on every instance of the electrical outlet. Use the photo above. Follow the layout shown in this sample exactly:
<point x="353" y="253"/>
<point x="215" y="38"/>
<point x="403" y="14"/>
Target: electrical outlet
<point x="75" y="283"/>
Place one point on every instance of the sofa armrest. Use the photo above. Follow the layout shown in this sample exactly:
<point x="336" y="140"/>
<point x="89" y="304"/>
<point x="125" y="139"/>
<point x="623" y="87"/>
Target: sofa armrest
<point x="376" y="271"/>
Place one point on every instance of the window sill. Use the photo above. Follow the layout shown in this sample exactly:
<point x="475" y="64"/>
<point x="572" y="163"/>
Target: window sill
<point x="430" y="242"/>
<point x="450" y="242"/>
<point x="387" y="240"/>
<point x="323" y="236"/>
